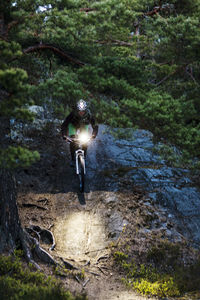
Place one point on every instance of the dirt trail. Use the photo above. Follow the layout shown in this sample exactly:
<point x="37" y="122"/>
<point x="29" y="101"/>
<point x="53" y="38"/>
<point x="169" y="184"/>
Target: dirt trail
<point x="84" y="226"/>
<point x="81" y="236"/>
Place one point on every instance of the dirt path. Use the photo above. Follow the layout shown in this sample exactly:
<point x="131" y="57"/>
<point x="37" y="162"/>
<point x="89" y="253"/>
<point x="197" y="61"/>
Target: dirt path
<point x="82" y="238"/>
<point x="85" y="226"/>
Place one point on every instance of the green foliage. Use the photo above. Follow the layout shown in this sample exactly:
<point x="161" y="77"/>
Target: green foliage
<point x="147" y="280"/>
<point x="120" y="256"/>
<point x="12" y="79"/>
<point x="13" y="83"/>
<point x="15" y="157"/>
<point x="17" y="282"/>
<point x="8" y="51"/>
<point x="14" y="91"/>
<point x="64" y="88"/>
<point x="163" y="288"/>
<point x="165" y="254"/>
<point x="140" y="68"/>
<point x="163" y="274"/>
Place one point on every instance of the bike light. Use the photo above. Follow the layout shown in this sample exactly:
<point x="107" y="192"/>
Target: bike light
<point x="83" y="137"/>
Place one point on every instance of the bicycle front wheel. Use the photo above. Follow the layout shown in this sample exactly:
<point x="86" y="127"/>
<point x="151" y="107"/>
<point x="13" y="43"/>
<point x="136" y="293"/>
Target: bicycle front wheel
<point x="81" y="166"/>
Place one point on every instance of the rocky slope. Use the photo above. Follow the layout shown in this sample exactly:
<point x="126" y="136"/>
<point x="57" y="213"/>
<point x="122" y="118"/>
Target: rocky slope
<point x="119" y="209"/>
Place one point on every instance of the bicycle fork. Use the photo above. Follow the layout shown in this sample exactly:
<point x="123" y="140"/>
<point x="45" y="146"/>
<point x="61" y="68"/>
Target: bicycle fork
<point x="80" y="153"/>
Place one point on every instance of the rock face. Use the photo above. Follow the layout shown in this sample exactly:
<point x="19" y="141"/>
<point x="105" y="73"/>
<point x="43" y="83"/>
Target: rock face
<point x="134" y="160"/>
<point x="112" y="161"/>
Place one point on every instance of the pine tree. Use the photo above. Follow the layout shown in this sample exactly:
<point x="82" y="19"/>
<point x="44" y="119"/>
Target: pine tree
<point x="12" y="105"/>
<point x="136" y="62"/>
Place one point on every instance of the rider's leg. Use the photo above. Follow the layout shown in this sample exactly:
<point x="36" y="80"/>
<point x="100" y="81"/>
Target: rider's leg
<point x="85" y="150"/>
<point x="72" y="150"/>
<point x="85" y="128"/>
<point x="72" y="133"/>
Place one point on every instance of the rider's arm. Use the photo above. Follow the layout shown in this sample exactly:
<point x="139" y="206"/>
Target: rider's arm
<point x="64" y="126"/>
<point x="94" y="127"/>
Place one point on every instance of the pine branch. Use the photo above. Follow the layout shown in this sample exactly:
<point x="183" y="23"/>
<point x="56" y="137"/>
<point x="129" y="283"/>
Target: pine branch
<point x="87" y="9"/>
<point x="11" y="25"/>
<point x="157" y="9"/>
<point x="166" y="77"/>
<point x="5" y="28"/>
<point x="154" y="11"/>
<point x="57" y="51"/>
<point x="114" y="43"/>
<point x="189" y="71"/>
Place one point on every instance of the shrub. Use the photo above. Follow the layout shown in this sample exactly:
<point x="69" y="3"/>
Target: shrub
<point x="167" y="277"/>
<point x="19" y="283"/>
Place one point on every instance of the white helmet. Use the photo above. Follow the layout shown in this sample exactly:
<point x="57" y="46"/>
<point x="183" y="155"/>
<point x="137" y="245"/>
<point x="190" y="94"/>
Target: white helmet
<point x="81" y="105"/>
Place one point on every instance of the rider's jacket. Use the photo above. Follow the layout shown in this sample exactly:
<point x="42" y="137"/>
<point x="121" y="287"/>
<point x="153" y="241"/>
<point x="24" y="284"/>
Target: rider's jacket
<point x="75" y="119"/>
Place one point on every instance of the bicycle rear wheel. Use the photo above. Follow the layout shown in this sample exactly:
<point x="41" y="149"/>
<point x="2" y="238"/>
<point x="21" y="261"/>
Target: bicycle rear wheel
<point x="81" y="174"/>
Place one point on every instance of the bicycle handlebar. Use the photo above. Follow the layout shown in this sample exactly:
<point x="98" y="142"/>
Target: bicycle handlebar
<point x="77" y="140"/>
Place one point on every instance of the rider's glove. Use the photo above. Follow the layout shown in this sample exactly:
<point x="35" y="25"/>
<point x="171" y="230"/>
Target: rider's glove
<point x="64" y="137"/>
<point x="94" y="136"/>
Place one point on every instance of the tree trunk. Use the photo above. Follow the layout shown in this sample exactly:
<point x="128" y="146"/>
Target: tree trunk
<point x="11" y="232"/>
<point x="9" y="217"/>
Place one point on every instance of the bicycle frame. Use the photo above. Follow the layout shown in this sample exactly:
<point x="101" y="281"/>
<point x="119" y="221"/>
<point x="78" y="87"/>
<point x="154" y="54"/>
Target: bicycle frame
<point x="80" y="141"/>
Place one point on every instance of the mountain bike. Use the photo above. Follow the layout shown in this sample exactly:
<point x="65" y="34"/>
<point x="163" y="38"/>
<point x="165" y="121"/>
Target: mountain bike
<point x="80" y="140"/>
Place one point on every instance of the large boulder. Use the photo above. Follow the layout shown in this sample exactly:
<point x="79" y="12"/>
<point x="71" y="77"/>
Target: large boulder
<point x="134" y="157"/>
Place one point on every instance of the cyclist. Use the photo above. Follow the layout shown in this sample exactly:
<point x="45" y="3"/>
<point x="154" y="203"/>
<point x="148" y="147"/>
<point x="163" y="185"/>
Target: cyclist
<point x="79" y="118"/>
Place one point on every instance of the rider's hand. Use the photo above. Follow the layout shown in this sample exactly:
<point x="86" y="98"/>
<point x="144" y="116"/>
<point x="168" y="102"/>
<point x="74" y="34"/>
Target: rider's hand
<point x="93" y="136"/>
<point x="64" y="137"/>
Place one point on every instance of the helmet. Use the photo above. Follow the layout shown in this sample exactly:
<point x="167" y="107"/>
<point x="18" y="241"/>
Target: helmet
<point x="81" y="105"/>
